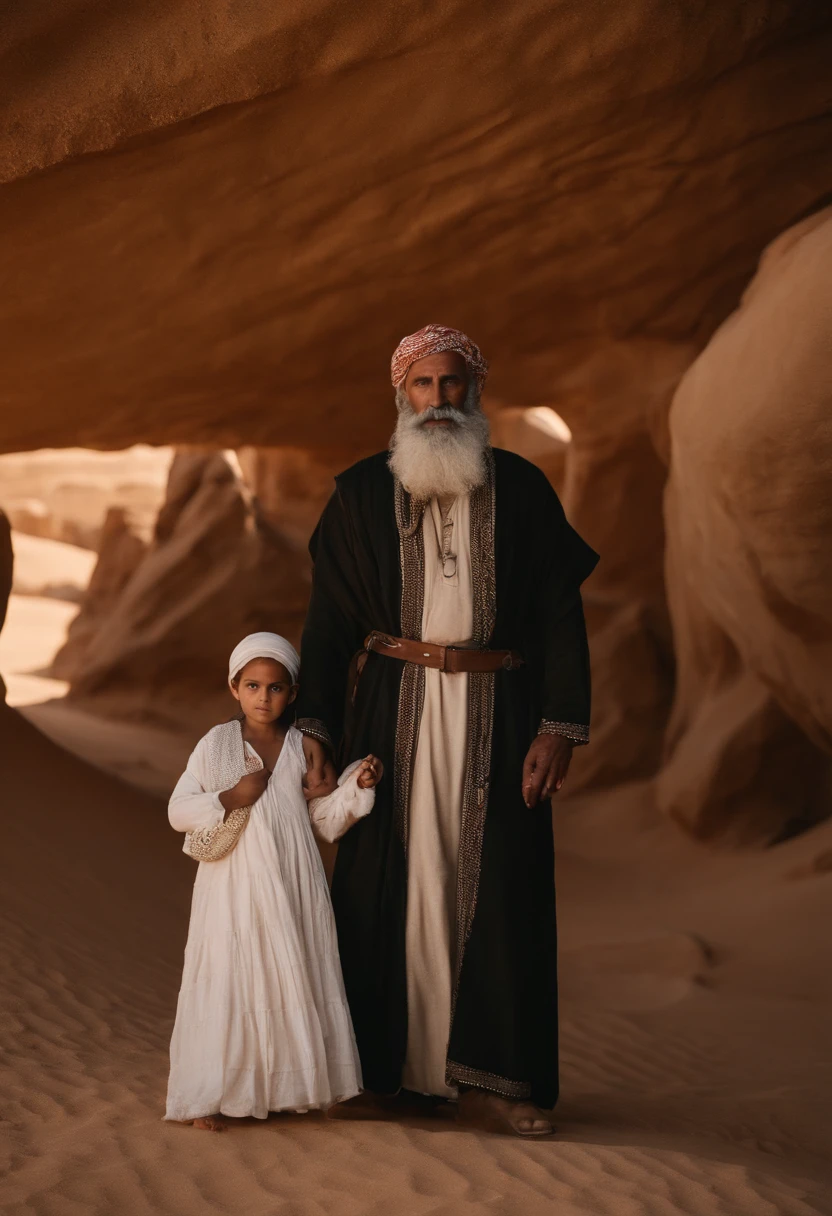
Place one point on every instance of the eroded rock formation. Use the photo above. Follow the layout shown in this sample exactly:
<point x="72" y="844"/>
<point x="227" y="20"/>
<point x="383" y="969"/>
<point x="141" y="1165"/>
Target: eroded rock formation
<point x="749" y="515"/>
<point x="215" y="571"/>
<point x="121" y="551"/>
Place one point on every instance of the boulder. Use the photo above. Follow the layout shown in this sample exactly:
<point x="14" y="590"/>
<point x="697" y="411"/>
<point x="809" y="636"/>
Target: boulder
<point x="749" y="560"/>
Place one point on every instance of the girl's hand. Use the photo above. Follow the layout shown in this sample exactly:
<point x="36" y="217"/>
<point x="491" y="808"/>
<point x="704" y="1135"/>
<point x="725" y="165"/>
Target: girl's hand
<point x="370" y="773"/>
<point x="247" y="790"/>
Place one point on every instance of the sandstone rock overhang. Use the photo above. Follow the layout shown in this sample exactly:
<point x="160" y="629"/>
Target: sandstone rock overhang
<point x="215" y="230"/>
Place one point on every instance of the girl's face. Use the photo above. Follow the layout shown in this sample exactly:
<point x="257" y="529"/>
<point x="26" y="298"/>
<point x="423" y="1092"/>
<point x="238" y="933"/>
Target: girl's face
<point x="264" y="689"/>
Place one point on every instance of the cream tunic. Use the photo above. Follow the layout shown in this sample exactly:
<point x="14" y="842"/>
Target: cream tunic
<point x="435" y="812"/>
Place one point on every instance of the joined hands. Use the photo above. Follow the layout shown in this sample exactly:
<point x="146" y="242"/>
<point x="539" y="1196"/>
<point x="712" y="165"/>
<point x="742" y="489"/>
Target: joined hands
<point x="370" y="773"/>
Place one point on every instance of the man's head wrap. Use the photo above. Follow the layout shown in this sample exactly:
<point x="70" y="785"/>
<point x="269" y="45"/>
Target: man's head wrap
<point x="432" y="340"/>
<point x="264" y="646"/>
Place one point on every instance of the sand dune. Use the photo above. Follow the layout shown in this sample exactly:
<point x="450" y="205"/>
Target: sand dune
<point x="693" y="1039"/>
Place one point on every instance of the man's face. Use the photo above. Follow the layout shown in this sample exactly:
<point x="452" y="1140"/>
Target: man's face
<point x="437" y="380"/>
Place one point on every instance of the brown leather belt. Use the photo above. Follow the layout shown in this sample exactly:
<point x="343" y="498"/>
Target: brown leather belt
<point x="450" y="659"/>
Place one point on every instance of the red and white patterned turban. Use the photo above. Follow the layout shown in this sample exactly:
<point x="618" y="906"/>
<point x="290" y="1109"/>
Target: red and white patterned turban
<point x="432" y="340"/>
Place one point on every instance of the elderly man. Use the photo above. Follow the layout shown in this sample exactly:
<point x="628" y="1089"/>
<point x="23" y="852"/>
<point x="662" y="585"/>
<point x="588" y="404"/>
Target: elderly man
<point x="446" y="634"/>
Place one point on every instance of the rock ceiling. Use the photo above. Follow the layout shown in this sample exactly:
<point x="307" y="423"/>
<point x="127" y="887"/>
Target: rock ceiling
<point x="214" y="228"/>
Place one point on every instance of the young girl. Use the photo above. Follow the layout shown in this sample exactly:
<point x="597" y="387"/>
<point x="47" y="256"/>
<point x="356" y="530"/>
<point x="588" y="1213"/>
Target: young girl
<point x="262" y="1022"/>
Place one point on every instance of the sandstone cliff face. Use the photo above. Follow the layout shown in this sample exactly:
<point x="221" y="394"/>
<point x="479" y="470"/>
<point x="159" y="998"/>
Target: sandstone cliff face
<point x="616" y="468"/>
<point x="749" y="516"/>
<point x="214" y="572"/>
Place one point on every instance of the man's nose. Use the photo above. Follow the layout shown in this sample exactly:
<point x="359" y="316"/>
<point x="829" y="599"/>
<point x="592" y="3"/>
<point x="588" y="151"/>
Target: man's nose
<point x="435" y="395"/>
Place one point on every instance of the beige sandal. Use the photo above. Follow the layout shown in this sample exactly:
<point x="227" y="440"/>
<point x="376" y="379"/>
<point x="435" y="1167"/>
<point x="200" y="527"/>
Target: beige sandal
<point x="492" y="1113"/>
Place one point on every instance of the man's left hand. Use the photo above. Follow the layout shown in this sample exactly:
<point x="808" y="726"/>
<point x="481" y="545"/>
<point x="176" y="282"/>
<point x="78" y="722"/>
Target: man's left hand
<point x="546" y="766"/>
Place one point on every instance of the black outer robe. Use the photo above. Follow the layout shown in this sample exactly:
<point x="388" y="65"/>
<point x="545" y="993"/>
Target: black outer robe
<point x="504" y="1025"/>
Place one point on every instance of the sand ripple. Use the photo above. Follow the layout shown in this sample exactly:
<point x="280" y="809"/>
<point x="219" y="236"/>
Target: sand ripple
<point x="708" y="1104"/>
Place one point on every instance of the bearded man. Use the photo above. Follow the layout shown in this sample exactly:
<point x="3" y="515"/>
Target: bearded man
<point x="446" y="635"/>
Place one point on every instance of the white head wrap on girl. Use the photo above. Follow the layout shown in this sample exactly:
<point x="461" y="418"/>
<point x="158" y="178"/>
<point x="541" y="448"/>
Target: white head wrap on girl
<point x="264" y="646"/>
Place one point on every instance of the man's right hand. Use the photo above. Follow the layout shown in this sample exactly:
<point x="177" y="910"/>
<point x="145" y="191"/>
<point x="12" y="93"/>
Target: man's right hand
<point x="320" y="777"/>
<point x="246" y="792"/>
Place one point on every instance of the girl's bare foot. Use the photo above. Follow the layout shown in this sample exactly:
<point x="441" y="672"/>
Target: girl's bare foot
<point x="211" y="1123"/>
<point x="490" y="1112"/>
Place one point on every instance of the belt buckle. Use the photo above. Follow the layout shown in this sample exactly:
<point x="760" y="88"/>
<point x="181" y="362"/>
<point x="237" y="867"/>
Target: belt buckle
<point x="451" y="650"/>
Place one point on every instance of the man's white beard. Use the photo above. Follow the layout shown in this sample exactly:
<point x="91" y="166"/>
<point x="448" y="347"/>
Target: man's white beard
<point x="434" y="460"/>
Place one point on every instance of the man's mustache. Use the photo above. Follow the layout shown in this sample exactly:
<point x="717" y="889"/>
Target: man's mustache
<point x="436" y="413"/>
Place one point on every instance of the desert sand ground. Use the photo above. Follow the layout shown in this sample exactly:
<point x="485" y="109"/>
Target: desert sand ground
<point x="695" y="997"/>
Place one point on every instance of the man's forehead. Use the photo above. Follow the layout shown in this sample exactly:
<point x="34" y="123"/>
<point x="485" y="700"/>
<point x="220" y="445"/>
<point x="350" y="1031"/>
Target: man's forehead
<point x="444" y="363"/>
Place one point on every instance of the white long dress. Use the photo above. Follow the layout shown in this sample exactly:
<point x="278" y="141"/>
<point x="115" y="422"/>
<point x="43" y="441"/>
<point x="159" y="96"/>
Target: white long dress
<point x="262" y="1022"/>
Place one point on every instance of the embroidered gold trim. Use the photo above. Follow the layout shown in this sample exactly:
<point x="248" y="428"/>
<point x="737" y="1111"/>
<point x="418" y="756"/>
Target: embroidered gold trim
<point x="412" y="689"/>
<point x="570" y="730"/>
<point x="480" y="718"/>
<point x="461" y="1074"/>
<point x="315" y="728"/>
